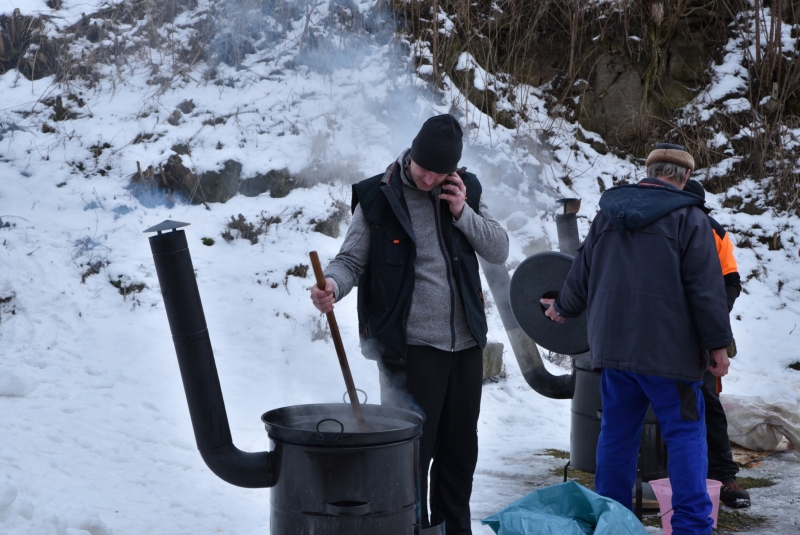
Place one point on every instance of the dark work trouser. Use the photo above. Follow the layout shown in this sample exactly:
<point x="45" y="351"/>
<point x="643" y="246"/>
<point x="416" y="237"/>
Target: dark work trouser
<point x="446" y="387"/>
<point x="678" y="405"/>
<point x="721" y="465"/>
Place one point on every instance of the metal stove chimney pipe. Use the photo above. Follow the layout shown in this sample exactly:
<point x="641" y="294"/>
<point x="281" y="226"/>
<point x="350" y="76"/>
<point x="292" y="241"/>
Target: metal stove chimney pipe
<point x="196" y="360"/>
<point x="567" y="226"/>
<point x="525" y="349"/>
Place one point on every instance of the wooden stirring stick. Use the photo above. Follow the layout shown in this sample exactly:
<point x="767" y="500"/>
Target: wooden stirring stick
<point x="337" y="342"/>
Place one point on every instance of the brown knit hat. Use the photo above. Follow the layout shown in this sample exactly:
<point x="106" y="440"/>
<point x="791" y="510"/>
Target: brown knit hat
<point x="667" y="152"/>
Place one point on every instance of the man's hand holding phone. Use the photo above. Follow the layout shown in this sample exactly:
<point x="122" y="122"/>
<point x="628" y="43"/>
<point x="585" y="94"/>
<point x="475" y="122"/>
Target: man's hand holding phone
<point x="454" y="192"/>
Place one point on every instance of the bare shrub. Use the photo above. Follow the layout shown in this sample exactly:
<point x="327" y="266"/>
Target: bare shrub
<point x="93" y="268"/>
<point x="245" y="230"/>
<point x="300" y="270"/>
<point x="249" y="231"/>
<point x="126" y="286"/>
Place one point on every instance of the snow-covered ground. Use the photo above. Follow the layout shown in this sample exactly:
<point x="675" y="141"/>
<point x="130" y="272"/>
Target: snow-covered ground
<point x="95" y="435"/>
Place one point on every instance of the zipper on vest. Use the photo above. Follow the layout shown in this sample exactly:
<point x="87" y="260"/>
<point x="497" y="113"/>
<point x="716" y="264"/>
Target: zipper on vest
<point x="445" y="253"/>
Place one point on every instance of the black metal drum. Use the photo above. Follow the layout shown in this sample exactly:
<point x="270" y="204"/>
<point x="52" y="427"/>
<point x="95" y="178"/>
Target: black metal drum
<point x="332" y="477"/>
<point x="587" y="409"/>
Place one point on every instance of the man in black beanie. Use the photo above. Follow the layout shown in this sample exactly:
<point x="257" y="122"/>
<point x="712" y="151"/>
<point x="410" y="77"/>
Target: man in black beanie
<point x="437" y="146"/>
<point x="412" y="248"/>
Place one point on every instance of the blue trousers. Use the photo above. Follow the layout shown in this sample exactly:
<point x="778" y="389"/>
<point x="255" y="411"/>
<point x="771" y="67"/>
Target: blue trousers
<point x="679" y="407"/>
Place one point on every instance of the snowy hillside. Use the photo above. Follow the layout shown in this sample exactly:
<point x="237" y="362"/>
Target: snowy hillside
<point x="95" y="432"/>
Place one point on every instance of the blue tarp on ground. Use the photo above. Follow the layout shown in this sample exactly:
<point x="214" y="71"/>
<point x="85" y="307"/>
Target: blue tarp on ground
<point x="565" y="509"/>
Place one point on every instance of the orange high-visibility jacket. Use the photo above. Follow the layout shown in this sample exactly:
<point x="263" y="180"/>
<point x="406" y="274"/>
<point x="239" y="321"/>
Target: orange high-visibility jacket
<point x="733" y="284"/>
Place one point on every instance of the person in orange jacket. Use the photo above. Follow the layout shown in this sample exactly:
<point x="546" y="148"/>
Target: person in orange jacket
<point x="721" y="466"/>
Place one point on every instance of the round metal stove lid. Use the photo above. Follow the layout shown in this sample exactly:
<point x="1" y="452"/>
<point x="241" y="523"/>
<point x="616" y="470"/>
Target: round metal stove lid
<point x="333" y="425"/>
<point x="543" y="275"/>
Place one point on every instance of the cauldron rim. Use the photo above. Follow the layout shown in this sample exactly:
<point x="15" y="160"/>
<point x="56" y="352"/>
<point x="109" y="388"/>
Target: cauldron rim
<point x="281" y="425"/>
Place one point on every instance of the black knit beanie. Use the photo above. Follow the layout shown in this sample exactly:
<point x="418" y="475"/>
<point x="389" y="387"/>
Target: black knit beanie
<point x="693" y="186"/>
<point x="437" y="147"/>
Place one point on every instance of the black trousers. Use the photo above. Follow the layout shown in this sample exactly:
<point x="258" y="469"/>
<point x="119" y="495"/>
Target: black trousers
<point x="721" y="465"/>
<point x="445" y="386"/>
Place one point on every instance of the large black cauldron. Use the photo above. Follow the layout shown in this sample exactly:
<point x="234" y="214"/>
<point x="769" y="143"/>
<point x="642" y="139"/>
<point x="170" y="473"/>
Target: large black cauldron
<point x="328" y="476"/>
<point x="333" y="478"/>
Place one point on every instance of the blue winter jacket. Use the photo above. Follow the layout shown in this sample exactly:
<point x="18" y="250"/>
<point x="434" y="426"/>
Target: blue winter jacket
<point x="648" y="273"/>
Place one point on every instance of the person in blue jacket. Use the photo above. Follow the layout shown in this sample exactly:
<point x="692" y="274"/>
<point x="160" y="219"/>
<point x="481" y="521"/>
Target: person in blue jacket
<point x="648" y="275"/>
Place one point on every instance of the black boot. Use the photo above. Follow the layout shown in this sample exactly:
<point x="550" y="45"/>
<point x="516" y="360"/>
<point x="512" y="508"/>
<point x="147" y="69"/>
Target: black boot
<point x="733" y="496"/>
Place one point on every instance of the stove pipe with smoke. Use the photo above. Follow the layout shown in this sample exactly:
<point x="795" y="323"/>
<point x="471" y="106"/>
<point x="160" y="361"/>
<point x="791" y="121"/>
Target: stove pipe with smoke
<point x="327" y="474"/>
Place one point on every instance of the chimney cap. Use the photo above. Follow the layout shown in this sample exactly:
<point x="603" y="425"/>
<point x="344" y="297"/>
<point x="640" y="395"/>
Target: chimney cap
<point x="167" y="224"/>
<point x="571" y="205"/>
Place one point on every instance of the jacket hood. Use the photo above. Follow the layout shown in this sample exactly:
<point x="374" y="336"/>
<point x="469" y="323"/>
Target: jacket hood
<point x="633" y="206"/>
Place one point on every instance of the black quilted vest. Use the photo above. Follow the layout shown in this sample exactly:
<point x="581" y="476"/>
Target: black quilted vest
<point x="387" y="284"/>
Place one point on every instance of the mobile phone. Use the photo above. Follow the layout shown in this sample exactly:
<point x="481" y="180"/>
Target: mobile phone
<point x="460" y="172"/>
